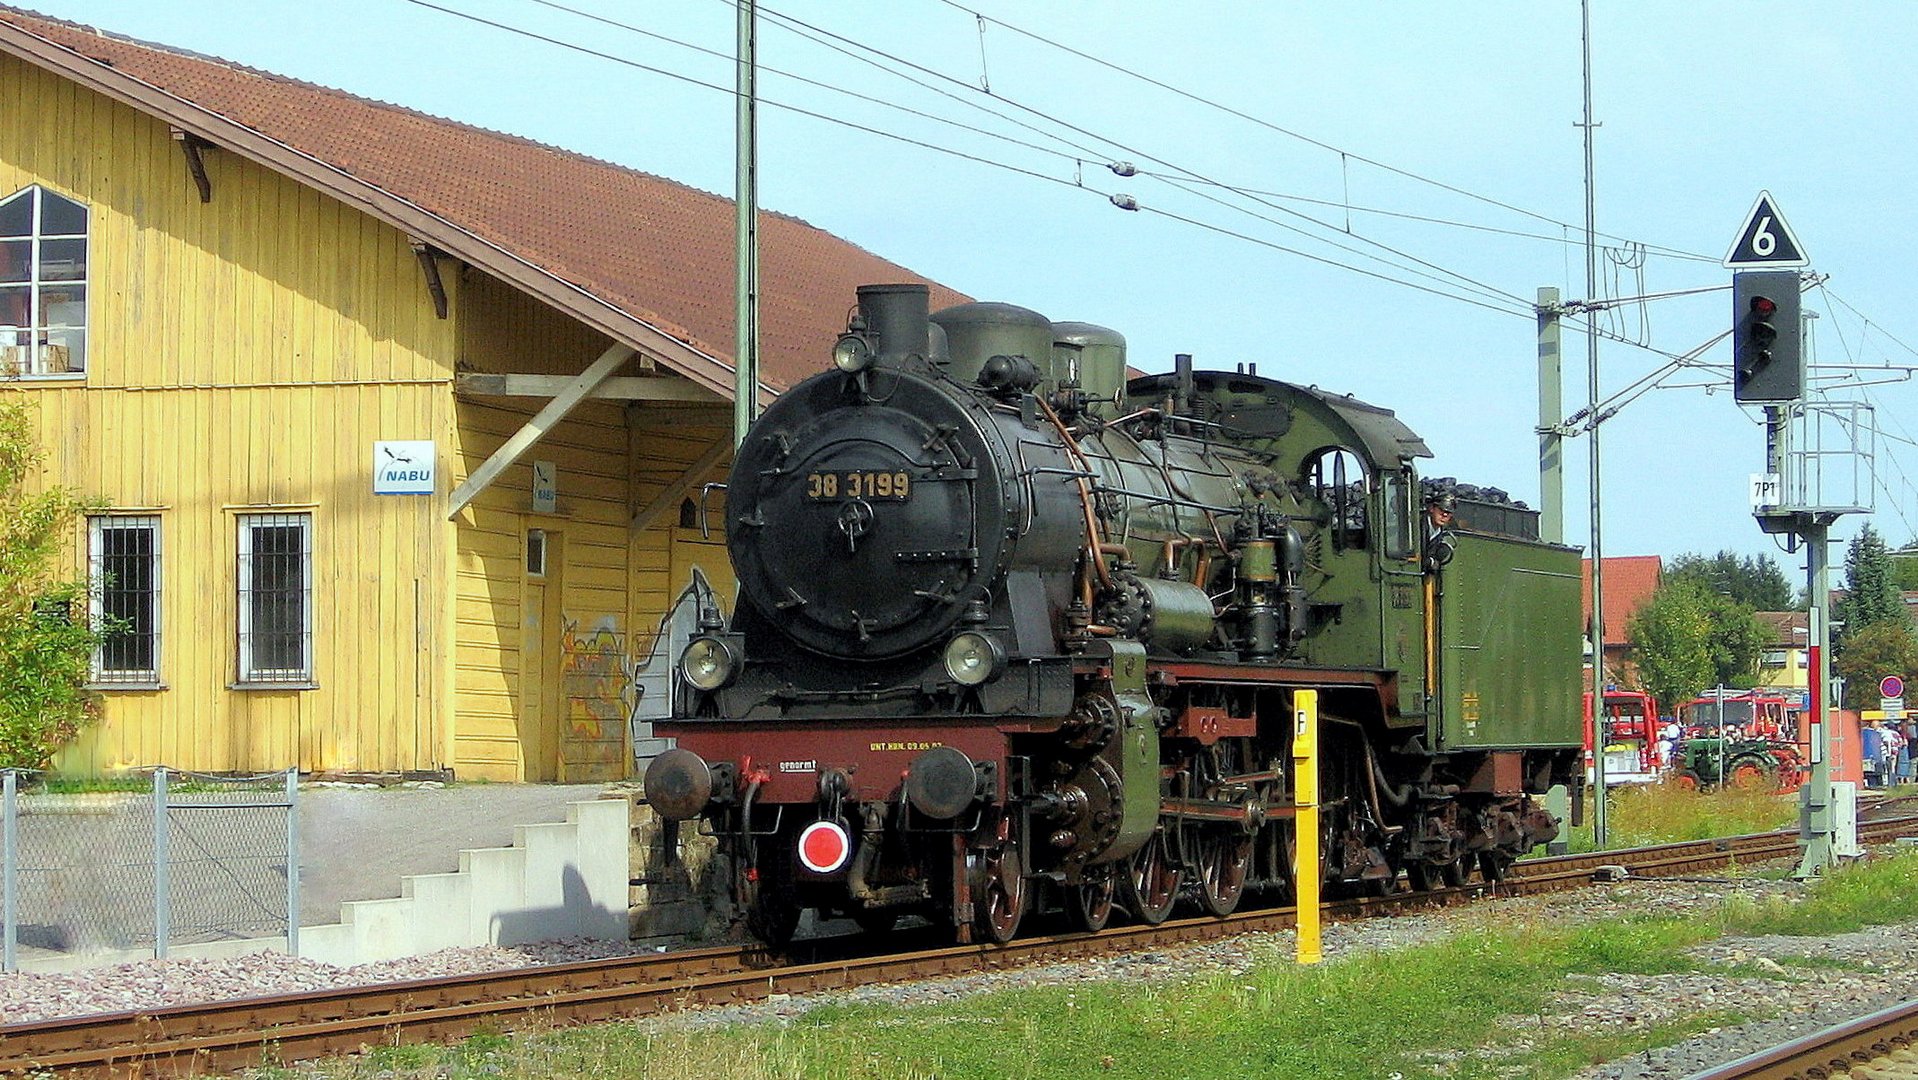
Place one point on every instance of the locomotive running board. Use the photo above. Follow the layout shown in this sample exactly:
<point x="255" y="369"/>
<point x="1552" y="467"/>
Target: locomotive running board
<point x="1172" y="673"/>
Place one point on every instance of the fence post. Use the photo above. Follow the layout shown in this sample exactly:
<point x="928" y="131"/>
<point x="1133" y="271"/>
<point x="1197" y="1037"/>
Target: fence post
<point x="293" y="861"/>
<point x="162" y="879"/>
<point x="9" y="870"/>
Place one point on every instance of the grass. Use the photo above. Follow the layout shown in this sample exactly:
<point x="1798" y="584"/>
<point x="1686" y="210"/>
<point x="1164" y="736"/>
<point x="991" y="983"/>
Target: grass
<point x="1642" y="814"/>
<point x="1852" y="898"/>
<point x="141" y="784"/>
<point x="1473" y="1005"/>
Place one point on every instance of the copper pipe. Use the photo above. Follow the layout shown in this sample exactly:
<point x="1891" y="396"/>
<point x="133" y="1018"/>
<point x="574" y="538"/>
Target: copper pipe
<point x="1094" y="537"/>
<point x="1149" y="410"/>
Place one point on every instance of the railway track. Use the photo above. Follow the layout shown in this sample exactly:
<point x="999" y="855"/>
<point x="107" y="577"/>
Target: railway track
<point x="1880" y="1045"/>
<point x="230" y="1035"/>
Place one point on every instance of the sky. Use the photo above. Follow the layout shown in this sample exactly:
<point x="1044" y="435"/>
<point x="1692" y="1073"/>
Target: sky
<point x="1393" y="183"/>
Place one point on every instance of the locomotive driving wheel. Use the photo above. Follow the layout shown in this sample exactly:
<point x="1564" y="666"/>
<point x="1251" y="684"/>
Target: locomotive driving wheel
<point x="1224" y="854"/>
<point x="1152" y="881"/>
<point x="1089" y="903"/>
<point x="1000" y="902"/>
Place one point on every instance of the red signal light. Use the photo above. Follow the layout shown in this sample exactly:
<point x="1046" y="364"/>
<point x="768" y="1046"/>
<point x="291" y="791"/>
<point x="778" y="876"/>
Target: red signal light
<point x="1764" y="305"/>
<point x="824" y="847"/>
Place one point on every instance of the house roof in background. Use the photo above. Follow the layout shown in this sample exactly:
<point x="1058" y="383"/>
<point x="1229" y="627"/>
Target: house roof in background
<point x="646" y="260"/>
<point x="1790" y="629"/>
<point x="1630" y="580"/>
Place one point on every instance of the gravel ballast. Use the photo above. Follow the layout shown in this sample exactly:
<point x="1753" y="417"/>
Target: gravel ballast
<point x="1821" y="981"/>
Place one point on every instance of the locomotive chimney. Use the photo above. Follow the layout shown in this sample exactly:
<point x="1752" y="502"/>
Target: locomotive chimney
<point x="896" y="317"/>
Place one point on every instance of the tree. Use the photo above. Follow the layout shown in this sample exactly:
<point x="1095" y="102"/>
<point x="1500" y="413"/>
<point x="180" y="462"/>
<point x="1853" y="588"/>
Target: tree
<point x="1686" y="638"/>
<point x="1904" y="568"/>
<point x="1668" y="634"/>
<point x="1870" y="655"/>
<point x="1737" y="639"/>
<point x="1753" y="580"/>
<point x="46" y="644"/>
<point x="1871" y="589"/>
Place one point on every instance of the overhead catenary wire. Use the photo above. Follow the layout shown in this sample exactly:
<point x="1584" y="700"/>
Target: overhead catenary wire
<point x="1904" y="435"/>
<point x="805" y="80"/>
<point x="1275" y="246"/>
<point x="694" y="81"/>
<point x="1869" y="325"/>
<point x="1401" y="215"/>
<point x="729" y="91"/>
<point x="785" y="19"/>
<point x="1083" y="150"/>
<point x="1269" y="125"/>
<point x="1519" y="306"/>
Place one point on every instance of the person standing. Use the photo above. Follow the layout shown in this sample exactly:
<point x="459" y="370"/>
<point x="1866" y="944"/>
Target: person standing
<point x="1894" y="751"/>
<point x="1871" y="746"/>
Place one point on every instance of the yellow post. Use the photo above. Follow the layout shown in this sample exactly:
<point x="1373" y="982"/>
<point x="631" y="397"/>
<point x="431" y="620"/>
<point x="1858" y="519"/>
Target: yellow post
<point x="1305" y="826"/>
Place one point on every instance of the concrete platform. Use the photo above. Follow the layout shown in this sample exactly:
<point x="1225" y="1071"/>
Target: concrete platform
<point x="391" y="872"/>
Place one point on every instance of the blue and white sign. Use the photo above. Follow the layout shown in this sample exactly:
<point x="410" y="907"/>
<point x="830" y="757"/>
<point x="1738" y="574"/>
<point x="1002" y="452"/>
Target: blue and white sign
<point x="545" y="487"/>
<point x="405" y="467"/>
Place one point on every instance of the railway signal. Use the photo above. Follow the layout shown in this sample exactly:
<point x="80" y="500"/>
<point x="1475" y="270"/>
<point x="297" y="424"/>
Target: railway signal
<point x="1767" y="363"/>
<point x="1768" y="368"/>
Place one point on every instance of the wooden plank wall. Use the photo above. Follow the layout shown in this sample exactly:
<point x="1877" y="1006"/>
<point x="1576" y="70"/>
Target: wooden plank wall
<point x="246" y="353"/>
<point x="610" y="459"/>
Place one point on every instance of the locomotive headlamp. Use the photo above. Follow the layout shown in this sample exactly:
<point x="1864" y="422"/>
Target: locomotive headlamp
<point x="973" y="658"/>
<point x="851" y="354"/>
<point x="708" y="663"/>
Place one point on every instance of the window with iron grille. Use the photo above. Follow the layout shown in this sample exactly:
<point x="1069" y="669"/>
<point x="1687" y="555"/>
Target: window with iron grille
<point x="43" y="284"/>
<point x="276" y="598"/>
<point x="125" y="563"/>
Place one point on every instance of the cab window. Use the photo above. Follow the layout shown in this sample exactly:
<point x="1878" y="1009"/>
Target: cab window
<point x="1401" y="518"/>
<point x="1336" y="477"/>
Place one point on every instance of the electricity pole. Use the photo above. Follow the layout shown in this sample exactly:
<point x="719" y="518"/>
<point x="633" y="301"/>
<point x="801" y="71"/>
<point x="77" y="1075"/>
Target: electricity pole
<point x="746" y="202"/>
<point x="1599" y="835"/>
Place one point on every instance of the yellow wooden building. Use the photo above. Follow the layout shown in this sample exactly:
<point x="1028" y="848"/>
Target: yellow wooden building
<point x="238" y="303"/>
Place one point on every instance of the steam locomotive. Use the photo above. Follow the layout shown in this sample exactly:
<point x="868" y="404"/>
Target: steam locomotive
<point x="1015" y="631"/>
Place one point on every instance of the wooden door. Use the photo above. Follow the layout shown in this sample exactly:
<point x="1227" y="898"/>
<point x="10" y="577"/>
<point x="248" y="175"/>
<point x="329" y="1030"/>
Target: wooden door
<point x="542" y="708"/>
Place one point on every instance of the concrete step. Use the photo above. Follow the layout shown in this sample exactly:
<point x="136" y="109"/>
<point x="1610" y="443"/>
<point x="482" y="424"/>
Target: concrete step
<point x="558" y="880"/>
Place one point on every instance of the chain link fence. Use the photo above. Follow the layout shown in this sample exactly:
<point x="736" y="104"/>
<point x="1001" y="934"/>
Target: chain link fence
<point x="172" y="859"/>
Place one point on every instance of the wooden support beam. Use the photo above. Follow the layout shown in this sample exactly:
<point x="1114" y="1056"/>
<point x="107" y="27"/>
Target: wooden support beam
<point x="694" y="475"/>
<point x="620" y="388"/>
<point x="578" y="390"/>
<point x="429" y="257"/>
<point x="191" y="145"/>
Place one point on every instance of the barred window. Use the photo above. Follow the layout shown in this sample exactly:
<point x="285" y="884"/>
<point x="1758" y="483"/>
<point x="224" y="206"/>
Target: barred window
<point x="125" y="563"/>
<point x="43" y="284"/>
<point x="276" y="598"/>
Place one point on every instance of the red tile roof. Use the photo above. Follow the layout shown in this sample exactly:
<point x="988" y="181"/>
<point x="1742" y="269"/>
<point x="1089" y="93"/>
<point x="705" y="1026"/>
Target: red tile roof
<point x="1788" y="628"/>
<point x="647" y="260"/>
<point x="1630" y="580"/>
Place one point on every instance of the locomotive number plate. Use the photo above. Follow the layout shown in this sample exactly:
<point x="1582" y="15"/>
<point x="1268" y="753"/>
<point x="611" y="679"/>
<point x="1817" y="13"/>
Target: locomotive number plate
<point x="858" y="484"/>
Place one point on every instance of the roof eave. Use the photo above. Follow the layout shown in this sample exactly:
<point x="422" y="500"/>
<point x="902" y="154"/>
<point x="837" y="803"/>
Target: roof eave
<point x="416" y="221"/>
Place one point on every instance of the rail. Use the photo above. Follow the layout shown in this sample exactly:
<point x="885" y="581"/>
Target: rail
<point x="1849" y="1047"/>
<point x="230" y="1035"/>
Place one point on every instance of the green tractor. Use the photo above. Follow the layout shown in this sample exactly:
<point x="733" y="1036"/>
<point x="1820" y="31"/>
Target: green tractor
<point x="1747" y="763"/>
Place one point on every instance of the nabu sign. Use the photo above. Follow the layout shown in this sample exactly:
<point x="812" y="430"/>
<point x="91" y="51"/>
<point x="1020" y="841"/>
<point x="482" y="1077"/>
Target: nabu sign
<point x="404" y="468"/>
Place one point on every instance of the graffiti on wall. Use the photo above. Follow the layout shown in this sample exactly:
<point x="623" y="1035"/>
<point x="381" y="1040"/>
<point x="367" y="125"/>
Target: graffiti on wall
<point x="595" y="676"/>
